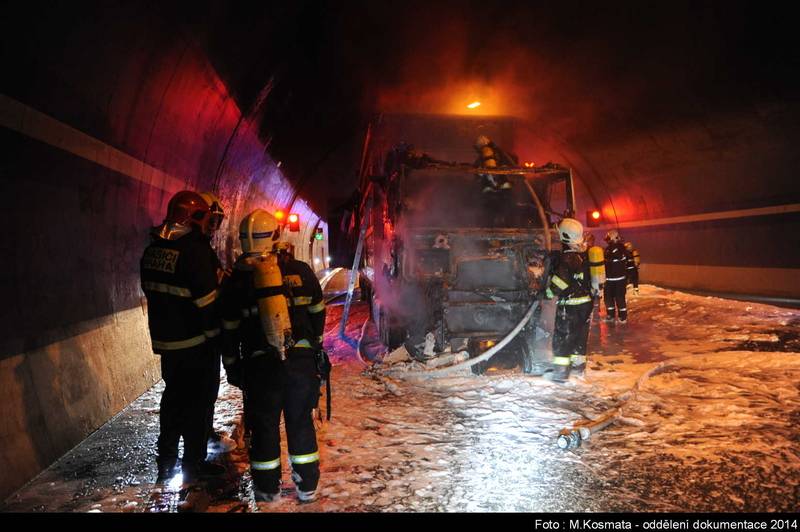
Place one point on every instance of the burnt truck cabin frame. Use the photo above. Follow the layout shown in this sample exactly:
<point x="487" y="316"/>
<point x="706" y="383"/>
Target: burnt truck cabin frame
<point x="467" y="284"/>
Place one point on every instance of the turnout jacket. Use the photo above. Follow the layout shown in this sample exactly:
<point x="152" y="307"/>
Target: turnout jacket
<point x="179" y="279"/>
<point x="616" y="262"/>
<point x="306" y="306"/>
<point x="571" y="280"/>
<point x="240" y="317"/>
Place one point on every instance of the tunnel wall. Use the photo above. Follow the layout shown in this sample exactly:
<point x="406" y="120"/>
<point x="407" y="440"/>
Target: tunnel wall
<point x="712" y="203"/>
<point x="111" y="112"/>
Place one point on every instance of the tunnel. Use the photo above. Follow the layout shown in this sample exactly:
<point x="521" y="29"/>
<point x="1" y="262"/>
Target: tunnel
<point x="679" y="121"/>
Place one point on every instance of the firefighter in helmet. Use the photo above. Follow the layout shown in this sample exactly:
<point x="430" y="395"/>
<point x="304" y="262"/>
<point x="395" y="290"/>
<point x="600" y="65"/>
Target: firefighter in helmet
<point x="491" y="156"/>
<point x="179" y="279"/>
<point x="217" y="442"/>
<point x="632" y="266"/>
<point x="273" y="319"/>
<point x="614" y="288"/>
<point x="570" y="282"/>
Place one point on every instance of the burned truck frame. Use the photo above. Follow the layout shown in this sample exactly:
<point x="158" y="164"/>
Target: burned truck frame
<point x="451" y="266"/>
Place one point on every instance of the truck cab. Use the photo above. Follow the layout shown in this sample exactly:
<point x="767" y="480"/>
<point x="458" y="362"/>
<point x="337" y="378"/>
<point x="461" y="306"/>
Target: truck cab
<point x="450" y="265"/>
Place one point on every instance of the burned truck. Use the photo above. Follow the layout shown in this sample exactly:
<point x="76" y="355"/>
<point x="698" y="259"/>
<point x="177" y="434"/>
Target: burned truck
<point x="454" y="254"/>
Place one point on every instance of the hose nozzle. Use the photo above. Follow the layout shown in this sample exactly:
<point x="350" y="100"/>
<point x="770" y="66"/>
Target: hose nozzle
<point x="572" y="438"/>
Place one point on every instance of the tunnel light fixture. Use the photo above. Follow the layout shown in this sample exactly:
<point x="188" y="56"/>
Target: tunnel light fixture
<point x="318" y="234"/>
<point x="280" y="215"/>
<point x="474" y="105"/>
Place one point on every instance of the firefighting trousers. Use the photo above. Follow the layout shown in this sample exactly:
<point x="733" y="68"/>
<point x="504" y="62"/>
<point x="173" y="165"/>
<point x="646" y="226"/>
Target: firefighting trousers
<point x="614" y="297"/>
<point x="188" y="377"/>
<point x="633" y="277"/>
<point x="572" y="330"/>
<point x="291" y="387"/>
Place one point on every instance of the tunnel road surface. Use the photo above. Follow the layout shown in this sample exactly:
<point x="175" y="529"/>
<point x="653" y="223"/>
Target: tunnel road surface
<point x="713" y="428"/>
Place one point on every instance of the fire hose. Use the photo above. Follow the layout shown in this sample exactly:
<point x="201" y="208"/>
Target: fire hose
<point x="486" y="355"/>
<point x="572" y="437"/>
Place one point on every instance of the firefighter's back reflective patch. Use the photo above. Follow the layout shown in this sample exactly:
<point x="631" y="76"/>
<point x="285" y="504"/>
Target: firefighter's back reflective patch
<point x="160" y="259"/>
<point x="293" y="280"/>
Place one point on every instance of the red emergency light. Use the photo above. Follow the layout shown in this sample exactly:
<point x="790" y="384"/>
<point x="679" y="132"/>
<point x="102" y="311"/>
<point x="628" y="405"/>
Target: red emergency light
<point x="294" y="223"/>
<point x="593" y="218"/>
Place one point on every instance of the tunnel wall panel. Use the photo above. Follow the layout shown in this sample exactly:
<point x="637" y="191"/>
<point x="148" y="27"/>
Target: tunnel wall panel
<point x="719" y="168"/>
<point x="112" y="111"/>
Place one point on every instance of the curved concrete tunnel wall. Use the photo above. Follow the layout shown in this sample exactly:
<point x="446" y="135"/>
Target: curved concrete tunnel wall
<point x="102" y="130"/>
<point x="712" y="204"/>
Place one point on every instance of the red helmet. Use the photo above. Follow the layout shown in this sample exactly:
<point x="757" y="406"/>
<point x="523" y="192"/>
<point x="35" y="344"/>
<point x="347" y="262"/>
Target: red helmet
<point x="187" y="208"/>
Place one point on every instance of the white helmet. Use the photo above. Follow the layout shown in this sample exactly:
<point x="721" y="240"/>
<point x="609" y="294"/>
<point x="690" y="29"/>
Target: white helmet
<point x="258" y="231"/>
<point x="570" y="231"/>
<point x="613" y="236"/>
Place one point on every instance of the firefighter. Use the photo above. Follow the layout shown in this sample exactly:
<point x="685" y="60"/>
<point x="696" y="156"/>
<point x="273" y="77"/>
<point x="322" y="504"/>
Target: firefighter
<point x="570" y="282"/>
<point x="614" y="290"/>
<point x="632" y="266"/>
<point x="217" y="442"/>
<point x="179" y="279"/>
<point x="273" y="319"/>
<point x="491" y="156"/>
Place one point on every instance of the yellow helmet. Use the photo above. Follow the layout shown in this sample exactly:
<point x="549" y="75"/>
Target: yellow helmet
<point x="258" y="231"/>
<point x="217" y="213"/>
<point x="629" y="246"/>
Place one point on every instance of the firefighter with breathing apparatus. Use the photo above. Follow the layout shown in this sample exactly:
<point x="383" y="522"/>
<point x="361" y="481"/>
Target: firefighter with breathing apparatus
<point x="491" y="156"/>
<point x="570" y="282"/>
<point x="273" y="319"/>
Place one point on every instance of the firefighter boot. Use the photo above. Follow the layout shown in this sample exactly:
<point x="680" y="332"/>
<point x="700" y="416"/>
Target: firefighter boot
<point x="560" y="371"/>
<point x="166" y="471"/>
<point x="194" y="472"/>
<point x="263" y="496"/>
<point x="577" y="365"/>
<point x="304" y="495"/>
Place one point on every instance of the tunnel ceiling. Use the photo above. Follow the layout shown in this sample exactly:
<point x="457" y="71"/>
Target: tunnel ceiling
<point x="641" y="100"/>
<point x="619" y="91"/>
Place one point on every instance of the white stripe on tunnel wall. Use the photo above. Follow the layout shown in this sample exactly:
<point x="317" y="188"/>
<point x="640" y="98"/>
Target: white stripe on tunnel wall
<point x="705" y="217"/>
<point x="37" y="125"/>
